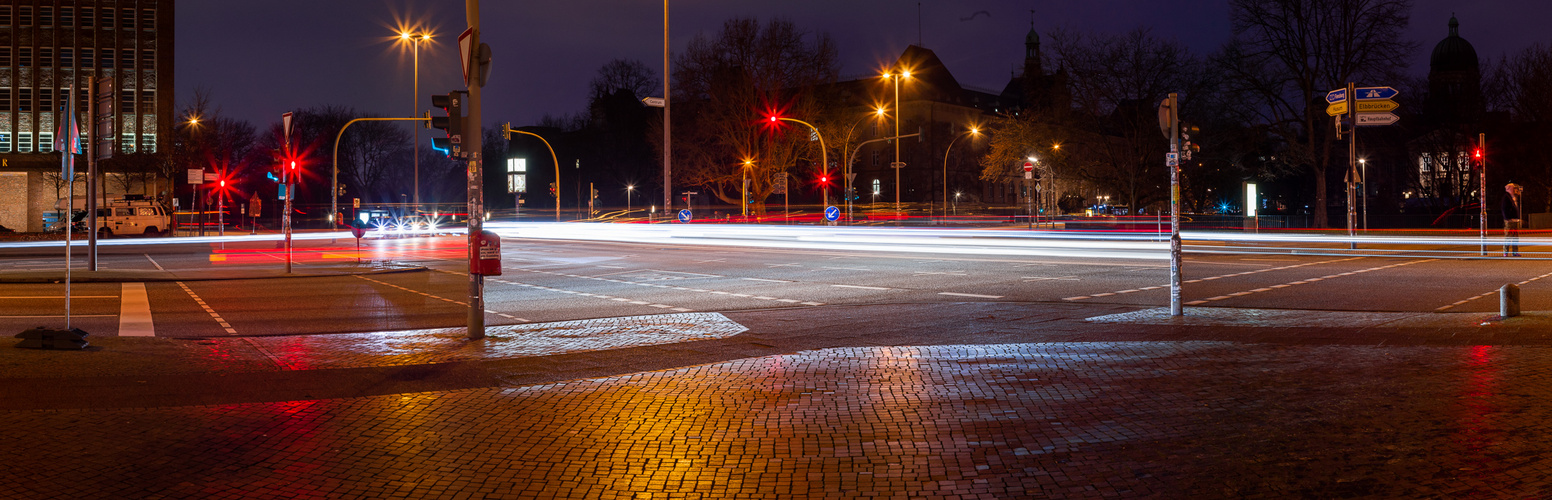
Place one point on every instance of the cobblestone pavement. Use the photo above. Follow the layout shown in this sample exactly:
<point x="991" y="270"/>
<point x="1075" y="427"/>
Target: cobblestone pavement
<point x="1062" y="420"/>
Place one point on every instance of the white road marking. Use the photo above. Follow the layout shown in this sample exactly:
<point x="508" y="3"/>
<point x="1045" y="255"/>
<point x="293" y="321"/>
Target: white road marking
<point x="135" y="312"/>
<point x="1484" y="294"/>
<point x="653" y="285"/>
<point x="1210" y="278"/>
<point x="443" y="299"/>
<point x="1050" y="278"/>
<point x="208" y="310"/>
<point x="153" y="262"/>
<point x="765" y="280"/>
<point x="1310" y="280"/>
<point x="847" y="268"/>
<point x="862" y="287"/>
<point x="971" y="295"/>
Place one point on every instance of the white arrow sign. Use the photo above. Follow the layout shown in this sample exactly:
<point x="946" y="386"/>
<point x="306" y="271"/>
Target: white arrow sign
<point x="656" y="102"/>
<point x="1377" y="119"/>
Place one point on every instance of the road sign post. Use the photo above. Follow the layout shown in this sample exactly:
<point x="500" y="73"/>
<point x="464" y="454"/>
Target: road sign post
<point x="1169" y="122"/>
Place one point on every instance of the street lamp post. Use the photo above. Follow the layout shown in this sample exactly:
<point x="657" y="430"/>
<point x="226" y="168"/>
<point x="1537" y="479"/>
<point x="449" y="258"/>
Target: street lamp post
<point x="628" y="190"/>
<point x="415" y="39"/>
<point x="972" y="131"/>
<point x="1363" y="182"/>
<point x="897" y="165"/>
<point x="846" y="187"/>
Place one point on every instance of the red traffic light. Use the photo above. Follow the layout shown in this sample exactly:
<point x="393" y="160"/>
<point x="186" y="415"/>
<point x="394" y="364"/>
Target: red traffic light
<point x="774" y="119"/>
<point x="824" y="179"/>
<point x="1477" y="153"/>
<point x="223" y="182"/>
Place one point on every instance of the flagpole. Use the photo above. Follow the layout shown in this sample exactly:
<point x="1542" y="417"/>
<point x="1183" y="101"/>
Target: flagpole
<point x="67" y="167"/>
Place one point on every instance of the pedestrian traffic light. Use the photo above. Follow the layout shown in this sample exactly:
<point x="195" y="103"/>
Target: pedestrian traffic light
<point x="554" y="192"/>
<point x="1476" y="156"/>
<point x="452" y="104"/>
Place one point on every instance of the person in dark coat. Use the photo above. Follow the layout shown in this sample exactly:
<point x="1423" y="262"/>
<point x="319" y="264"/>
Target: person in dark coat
<point x="1512" y="215"/>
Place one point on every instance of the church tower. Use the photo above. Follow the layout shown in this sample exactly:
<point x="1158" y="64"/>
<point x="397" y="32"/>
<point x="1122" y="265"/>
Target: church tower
<point x="1454" y="81"/>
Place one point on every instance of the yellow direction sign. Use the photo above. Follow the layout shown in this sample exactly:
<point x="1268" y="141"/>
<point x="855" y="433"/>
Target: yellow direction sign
<point x="1364" y="106"/>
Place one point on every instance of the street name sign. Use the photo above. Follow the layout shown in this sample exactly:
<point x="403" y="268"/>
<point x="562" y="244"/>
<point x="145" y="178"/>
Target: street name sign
<point x="1336" y="96"/>
<point x="1377" y="119"/>
<point x="656" y="102"/>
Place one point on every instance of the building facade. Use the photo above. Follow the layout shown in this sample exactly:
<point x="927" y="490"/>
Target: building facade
<point x="48" y="46"/>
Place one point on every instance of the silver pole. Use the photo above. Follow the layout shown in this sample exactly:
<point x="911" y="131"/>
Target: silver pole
<point x="473" y="145"/>
<point x="668" y="177"/>
<point x="1175" y="307"/>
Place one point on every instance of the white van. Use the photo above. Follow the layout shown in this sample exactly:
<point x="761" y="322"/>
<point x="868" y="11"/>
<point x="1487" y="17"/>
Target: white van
<point x="127" y="217"/>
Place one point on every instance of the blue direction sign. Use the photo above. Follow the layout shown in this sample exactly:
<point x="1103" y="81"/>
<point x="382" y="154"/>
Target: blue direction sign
<point x="684" y="215"/>
<point x="1366" y="93"/>
<point x="832" y="213"/>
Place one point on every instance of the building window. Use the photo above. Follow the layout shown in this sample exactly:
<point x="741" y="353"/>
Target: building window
<point x="127" y="58"/>
<point x="46" y="57"/>
<point x="45" y="16"/>
<point x="67" y="58"/>
<point x="517" y="177"/>
<point x="107" y="58"/>
<point x="5" y="98"/>
<point x="127" y="20"/>
<point x="147" y="59"/>
<point x="876" y="188"/>
<point x="45" y="142"/>
<point x="875" y="158"/>
<point x="5" y="142"/>
<point x="147" y="100"/>
<point x="148" y="143"/>
<point x="64" y="99"/>
<point x="107" y="18"/>
<point x="67" y="16"/>
<point x="127" y="100"/>
<point x="25" y="59"/>
<point x="25" y="16"/>
<point x="45" y="100"/>
<point x="88" y="58"/>
<point x="24" y="143"/>
<point x="5" y="56"/>
<point x="24" y="100"/>
<point x="148" y="19"/>
<point x="88" y="17"/>
<point x="5" y="15"/>
<point x="127" y="142"/>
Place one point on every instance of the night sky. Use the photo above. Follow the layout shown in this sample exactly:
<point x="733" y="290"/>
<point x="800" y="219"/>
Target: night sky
<point x="259" y="59"/>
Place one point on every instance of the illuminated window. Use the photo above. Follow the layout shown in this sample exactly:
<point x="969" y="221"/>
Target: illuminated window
<point x="148" y="142"/>
<point x="24" y="143"/>
<point x="45" y="142"/>
<point x="5" y="142"/>
<point x="127" y="142"/>
<point x="517" y="177"/>
<point x="876" y="187"/>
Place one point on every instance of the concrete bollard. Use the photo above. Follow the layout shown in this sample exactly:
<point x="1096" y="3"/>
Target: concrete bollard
<point x="1509" y="301"/>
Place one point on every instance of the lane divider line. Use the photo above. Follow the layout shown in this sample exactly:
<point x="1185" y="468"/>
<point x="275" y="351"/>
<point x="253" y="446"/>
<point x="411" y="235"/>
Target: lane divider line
<point x="443" y="299"/>
<point x="570" y="292"/>
<point x="1311" y="280"/>
<point x="1484" y="294"/>
<point x="219" y="320"/>
<point x="1210" y="278"/>
<point x="978" y="296"/>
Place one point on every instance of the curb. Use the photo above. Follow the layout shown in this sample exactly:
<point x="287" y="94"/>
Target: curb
<point x="196" y="275"/>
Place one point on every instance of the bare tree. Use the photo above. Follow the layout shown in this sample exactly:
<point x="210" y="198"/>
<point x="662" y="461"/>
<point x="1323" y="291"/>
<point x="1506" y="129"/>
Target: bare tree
<point x="623" y="74"/>
<point x="1286" y="54"/>
<point x="728" y="86"/>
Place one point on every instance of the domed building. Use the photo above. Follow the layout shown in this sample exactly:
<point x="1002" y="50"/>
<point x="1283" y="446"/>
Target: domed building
<point x="1453" y="110"/>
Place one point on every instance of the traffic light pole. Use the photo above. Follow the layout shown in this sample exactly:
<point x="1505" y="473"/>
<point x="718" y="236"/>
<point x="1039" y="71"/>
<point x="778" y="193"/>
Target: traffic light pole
<point x="1175" y="307"/>
<point x="1482" y="164"/>
<point x="473" y="145"/>
<point x="334" y="183"/>
<point x="1352" y="166"/>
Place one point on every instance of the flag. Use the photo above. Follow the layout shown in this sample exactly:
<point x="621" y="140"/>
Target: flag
<point x="68" y="140"/>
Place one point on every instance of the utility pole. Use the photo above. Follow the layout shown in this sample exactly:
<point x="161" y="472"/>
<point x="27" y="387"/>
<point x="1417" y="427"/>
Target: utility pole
<point x="668" y="174"/>
<point x="1482" y="194"/>
<point x="472" y="145"/>
<point x="1352" y="165"/>
<point x="1173" y="162"/>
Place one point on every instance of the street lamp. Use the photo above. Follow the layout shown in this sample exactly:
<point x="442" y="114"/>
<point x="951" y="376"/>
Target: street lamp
<point x="972" y="131"/>
<point x="878" y="112"/>
<point x="745" y="211"/>
<point x="628" y="190"/>
<point x="903" y="74"/>
<point x="414" y="40"/>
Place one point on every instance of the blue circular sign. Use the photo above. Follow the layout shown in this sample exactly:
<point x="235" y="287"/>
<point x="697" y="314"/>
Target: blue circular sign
<point x="684" y="215"/>
<point x="832" y="213"/>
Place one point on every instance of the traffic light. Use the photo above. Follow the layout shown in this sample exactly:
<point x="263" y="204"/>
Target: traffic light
<point x="1476" y="157"/>
<point x="452" y="104"/>
<point x="1186" y="148"/>
<point x="554" y="193"/>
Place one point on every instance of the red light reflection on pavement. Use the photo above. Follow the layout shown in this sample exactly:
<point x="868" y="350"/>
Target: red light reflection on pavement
<point x="387" y="249"/>
<point x="1480" y="435"/>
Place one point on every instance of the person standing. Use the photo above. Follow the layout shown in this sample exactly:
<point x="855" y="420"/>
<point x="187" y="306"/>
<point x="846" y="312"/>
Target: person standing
<point x="1512" y="219"/>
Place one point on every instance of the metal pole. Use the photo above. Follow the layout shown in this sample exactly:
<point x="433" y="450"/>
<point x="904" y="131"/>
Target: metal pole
<point x="668" y="183"/>
<point x="414" y="129"/>
<point x="1352" y="165"/>
<point x="1175" y="307"/>
<point x="1482" y="232"/>
<point x="1363" y="186"/>
<point x="474" y="147"/>
<point x="91" y="176"/>
<point x="897" y="165"/>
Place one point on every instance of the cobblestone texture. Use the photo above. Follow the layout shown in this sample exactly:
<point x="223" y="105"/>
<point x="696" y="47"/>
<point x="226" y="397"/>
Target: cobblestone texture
<point x="1059" y="420"/>
<point x="150" y="356"/>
